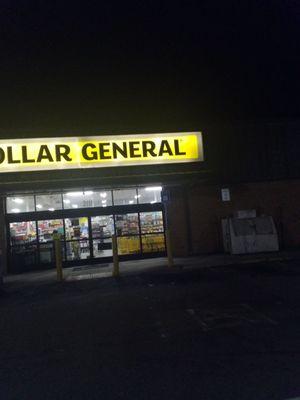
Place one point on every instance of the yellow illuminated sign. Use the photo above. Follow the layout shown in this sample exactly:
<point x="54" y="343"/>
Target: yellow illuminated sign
<point x="99" y="151"/>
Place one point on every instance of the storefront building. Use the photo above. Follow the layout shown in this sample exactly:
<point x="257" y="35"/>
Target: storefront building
<point x="137" y="186"/>
<point x="87" y="189"/>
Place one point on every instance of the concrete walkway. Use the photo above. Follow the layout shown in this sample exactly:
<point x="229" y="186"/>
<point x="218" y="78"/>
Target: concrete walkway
<point x="149" y="265"/>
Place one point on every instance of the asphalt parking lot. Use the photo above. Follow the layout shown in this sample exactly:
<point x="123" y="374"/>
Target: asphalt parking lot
<point x="230" y="332"/>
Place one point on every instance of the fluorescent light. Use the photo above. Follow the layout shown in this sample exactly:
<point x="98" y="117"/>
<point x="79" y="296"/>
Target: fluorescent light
<point x="39" y="206"/>
<point x="67" y="201"/>
<point x="74" y="205"/>
<point x="74" y="194"/>
<point x="15" y="210"/>
<point x="131" y="201"/>
<point x="104" y="205"/>
<point x="154" y="188"/>
<point x="103" y="201"/>
<point x="18" y="200"/>
<point x="88" y="192"/>
<point x="103" y="195"/>
<point x="152" y="202"/>
<point x="51" y="209"/>
<point x="137" y="196"/>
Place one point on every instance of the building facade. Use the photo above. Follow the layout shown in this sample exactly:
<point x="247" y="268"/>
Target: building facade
<point x="256" y="165"/>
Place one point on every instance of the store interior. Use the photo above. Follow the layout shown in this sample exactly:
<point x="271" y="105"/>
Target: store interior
<point x="86" y="235"/>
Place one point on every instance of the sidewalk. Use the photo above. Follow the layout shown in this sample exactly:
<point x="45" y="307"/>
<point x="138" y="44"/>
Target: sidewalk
<point x="149" y="265"/>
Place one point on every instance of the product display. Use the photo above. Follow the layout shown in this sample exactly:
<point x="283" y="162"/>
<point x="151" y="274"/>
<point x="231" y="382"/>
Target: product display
<point x="153" y="243"/>
<point x="102" y="226"/>
<point x="47" y="227"/>
<point x="129" y="245"/>
<point x="22" y="232"/>
<point x="77" y="238"/>
<point x="151" y="222"/>
<point x="77" y="228"/>
<point x="127" y="224"/>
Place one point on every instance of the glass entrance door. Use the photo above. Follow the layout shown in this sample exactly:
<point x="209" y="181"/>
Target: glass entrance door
<point x="23" y="245"/>
<point x="77" y="238"/>
<point x="46" y="229"/>
<point x="102" y="231"/>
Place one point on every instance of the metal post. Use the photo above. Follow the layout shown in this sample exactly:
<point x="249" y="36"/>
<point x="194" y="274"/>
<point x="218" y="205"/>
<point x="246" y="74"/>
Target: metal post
<point x="166" y="201"/>
<point x="3" y="241"/>
<point x="58" y="259"/>
<point x="116" y="270"/>
<point x="169" y="249"/>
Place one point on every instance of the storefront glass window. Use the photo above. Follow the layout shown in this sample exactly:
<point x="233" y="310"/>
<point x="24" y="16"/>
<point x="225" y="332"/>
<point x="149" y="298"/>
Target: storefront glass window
<point x="151" y="194"/>
<point x="102" y="230"/>
<point x="153" y="243"/>
<point x="18" y="204"/>
<point x="129" y="245"/>
<point x="102" y="247"/>
<point x="77" y="250"/>
<point x="151" y="222"/>
<point x="102" y="226"/>
<point x="23" y="258"/>
<point x="77" y="238"/>
<point x="124" y="197"/>
<point x="23" y="242"/>
<point x="31" y="242"/>
<point x="102" y="198"/>
<point x="77" y="228"/>
<point x="89" y="198"/>
<point x="22" y="233"/>
<point x="48" y="202"/>
<point x="83" y="199"/>
<point x="77" y="200"/>
<point x="47" y="228"/>
<point x="46" y="254"/>
<point x="127" y="224"/>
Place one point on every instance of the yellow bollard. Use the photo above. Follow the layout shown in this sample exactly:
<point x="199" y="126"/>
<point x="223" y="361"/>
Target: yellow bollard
<point x="169" y="249"/>
<point x="116" y="270"/>
<point x="58" y="259"/>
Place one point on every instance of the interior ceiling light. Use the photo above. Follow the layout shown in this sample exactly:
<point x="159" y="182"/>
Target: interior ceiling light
<point x="39" y="206"/>
<point x="137" y="196"/>
<point x="103" y="194"/>
<point x="67" y="201"/>
<point x="51" y="209"/>
<point x="103" y="201"/>
<point x="88" y="192"/>
<point x="18" y="200"/>
<point x="15" y="210"/>
<point x="153" y="188"/>
<point x="131" y="201"/>
<point x="74" y="205"/>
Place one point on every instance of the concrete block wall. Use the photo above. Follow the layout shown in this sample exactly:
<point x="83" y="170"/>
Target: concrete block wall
<point x="205" y="209"/>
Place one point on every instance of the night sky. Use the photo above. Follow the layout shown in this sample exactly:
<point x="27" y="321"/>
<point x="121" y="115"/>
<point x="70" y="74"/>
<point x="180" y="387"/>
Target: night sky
<point x="96" y="66"/>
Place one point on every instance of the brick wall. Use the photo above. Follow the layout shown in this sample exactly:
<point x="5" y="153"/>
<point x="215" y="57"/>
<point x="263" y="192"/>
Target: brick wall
<point x="202" y="204"/>
<point x="177" y="218"/>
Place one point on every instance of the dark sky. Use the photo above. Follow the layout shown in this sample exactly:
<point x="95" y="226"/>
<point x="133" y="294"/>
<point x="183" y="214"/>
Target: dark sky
<point x="147" y="65"/>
